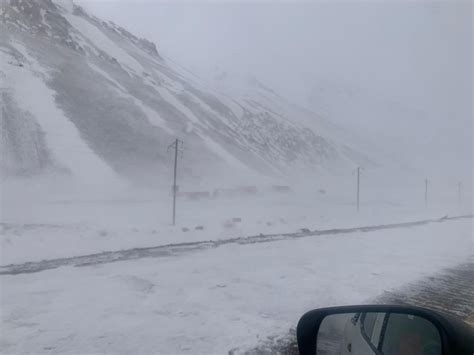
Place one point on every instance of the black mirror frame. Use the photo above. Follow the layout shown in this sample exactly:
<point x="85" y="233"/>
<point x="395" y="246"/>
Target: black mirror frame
<point x="451" y="331"/>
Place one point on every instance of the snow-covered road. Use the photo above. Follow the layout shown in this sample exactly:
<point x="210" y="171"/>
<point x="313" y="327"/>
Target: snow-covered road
<point x="217" y="299"/>
<point x="450" y="291"/>
<point x="180" y="248"/>
<point x="36" y="226"/>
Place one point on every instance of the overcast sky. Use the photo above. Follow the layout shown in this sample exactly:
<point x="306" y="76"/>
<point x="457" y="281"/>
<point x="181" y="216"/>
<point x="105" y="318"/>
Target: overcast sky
<point x="417" y="53"/>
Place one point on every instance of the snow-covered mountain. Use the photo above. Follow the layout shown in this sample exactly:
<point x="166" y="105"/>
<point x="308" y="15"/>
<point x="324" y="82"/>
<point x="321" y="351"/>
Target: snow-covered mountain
<point x="367" y="112"/>
<point x="355" y="147"/>
<point x="86" y="97"/>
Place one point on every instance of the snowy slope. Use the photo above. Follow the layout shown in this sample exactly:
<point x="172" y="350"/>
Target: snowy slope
<point x="64" y="141"/>
<point x="104" y="105"/>
<point x="352" y="104"/>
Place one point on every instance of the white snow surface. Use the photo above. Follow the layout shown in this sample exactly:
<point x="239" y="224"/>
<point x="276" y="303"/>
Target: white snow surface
<point x="169" y="97"/>
<point x="152" y="116"/>
<point x="28" y="84"/>
<point x="225" y="155"/>
<point x="107" y="76"/>
<point x="212" y="301"/>
<point x="67" y="5"/>
<point x="104" y="43"/>
<point x="46" y="222"/>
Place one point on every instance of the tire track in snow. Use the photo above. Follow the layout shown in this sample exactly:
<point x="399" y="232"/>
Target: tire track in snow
<point x="182" y="248"/>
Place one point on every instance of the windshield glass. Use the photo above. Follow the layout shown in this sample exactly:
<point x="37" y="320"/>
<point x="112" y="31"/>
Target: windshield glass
<point x="190" y="177"/>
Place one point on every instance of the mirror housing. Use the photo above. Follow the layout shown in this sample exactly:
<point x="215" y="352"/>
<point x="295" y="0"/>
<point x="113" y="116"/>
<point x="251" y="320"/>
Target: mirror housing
<point x="457" y="338"/>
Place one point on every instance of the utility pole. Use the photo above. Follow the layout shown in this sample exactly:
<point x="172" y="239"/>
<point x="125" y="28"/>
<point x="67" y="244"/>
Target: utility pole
<point x="426" y="193"/>
<point x="175" y="146"/>
<point x="459" y="194"/>
<point x="358" y="188"/>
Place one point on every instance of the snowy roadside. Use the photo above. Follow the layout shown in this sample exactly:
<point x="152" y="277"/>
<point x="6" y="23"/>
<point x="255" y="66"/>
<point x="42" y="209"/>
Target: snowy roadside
<point x="449" y="291"/>
<point x="176" y="249"/>
<point x="217" y="299"/>
<point x="39" y="230"/>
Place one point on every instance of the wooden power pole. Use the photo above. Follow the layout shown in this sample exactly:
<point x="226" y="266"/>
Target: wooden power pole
<point x="460" y="194"/>
<point x="426" y="193"/>
<point x="175" y="146"/>
<point x="358" y="189"/>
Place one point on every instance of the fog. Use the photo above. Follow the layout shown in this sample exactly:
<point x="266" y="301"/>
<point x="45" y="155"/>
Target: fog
<point x="404" y="68"/>
<point x="267" y="159"/>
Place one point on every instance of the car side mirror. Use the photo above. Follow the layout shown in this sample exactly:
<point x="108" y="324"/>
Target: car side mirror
<point x="382" y="330"/>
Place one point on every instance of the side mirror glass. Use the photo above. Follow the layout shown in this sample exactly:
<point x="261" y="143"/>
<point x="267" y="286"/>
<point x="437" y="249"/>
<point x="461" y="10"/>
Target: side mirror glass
<point x="380" y="333"/>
